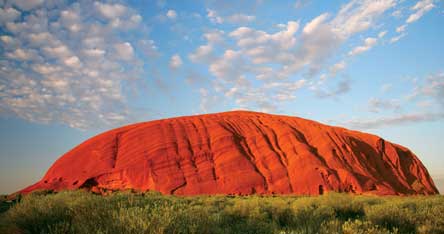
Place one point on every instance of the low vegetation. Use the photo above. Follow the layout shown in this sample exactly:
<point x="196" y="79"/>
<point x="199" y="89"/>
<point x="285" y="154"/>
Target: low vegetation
<point x="125" y="212"/>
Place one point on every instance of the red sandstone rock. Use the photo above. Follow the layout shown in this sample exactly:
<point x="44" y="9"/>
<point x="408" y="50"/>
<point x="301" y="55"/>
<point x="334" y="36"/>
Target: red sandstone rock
<point x="238" y="153"/>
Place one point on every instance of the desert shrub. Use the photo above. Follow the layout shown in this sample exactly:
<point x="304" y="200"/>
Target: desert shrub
<point x="40" y="214"/>
<point x="363" y="227"/>
<point x="392" y="216"/>
<point x="309" y="214"/>
<point x="127" y="212"/>
<point x="344" y="205"/>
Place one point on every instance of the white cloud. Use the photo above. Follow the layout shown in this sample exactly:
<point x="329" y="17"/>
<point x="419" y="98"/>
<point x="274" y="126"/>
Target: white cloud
<point x="397" y="14"/>
<point x="6" y="39"/>
<point x="359" y="15"/>
<point x="171" y="14"/>
<point x="175" y="61"/>
<point x="22" y="54"/>
<point x="202" y="54"/>
<point x="337" y="67"/>
<point x="264" y="47"/>
<point x="111" y="11"/>
<point x="432" y="87"/>
<point x="397" y="38"/>
<point x="365" y="124"/>
<point x="207" y="101"/>
<point x="148" y="48"/>
<point x="377" y="105"/>
<point x="382" y="34"/>
<point x="68" y="63"/>
<point x="342" y="87"/>
<point x="27" y="5"/>
<point x="214" y="37"/>
<point x="124" y="50"/>
<point x="8" y="14"/>
<point x="428" y="94"/>
<point x="97" y="53"/>
<point x="315" y="23"/>
<point x="401" y="28"/>
<point x="72" y="61"/>
<point x="240" y="18"/>
<point x="205" y="53"/>
<point x="420" y="8"/>
<point x="386" y="87"/>
<point x="214" y="17"/>
<point x="368" y="44"/>
<point x="262" y="57"/>
<point x="299" y="4"/>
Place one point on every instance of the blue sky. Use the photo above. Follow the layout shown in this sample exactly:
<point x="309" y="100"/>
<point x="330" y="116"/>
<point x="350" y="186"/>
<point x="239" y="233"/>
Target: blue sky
<point x="72" y="69"/>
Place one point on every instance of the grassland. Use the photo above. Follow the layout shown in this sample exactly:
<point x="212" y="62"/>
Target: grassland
<point x="83" y="212"/>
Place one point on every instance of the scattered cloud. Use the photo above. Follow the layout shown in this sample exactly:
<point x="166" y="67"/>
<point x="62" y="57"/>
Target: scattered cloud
<point x="240" y="18"/>
<point x="382" y="34"/>
<point x="365" y="124"/>
<point x="397" y="14"/>
<point x="237" y="18"/>
<point x="337" y="67"/>
<point x="432" y="87"/>
<point x="342" y="87"/>
<point x="27" y="5"/>
<point x="397" y="38"/>
<point x="299" y="4"/>
<point x="428" y="94"/>
<point x="52" y="50"/>
<point x="171" y="14"/>
<point x="386" y="87"/>
<point x="124" y="50"/>
<point x="401" y="28"/>
<point x="377" y="105"/>
<point x="175" y="62"/>
<point x="285" y="55"/>
<point x="111" y="11"/>
<point x="368" y="43"/>
<point x="214" y="17"/>
<point x="8" y="14"/>
<point x="420" y="8"/>
<point x="70" y="63"/>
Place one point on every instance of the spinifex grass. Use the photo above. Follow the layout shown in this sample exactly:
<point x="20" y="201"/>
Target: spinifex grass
<point x="83" y="212"/>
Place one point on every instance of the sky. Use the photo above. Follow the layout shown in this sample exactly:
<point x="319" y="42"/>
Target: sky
<point x="72" y="69"/>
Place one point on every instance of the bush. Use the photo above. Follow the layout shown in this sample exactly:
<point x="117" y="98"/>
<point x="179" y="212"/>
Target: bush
<point x="127" y="213"/>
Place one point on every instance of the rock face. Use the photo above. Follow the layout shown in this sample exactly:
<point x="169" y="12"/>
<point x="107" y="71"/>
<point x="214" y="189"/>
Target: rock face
<point x="239" y="152"/>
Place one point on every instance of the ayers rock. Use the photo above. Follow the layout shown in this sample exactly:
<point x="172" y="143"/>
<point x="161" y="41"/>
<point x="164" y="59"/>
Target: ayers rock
<point x="239" y="152"/>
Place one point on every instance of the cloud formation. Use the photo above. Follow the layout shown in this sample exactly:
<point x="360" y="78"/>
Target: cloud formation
<point x="427" y="93"/>
<point x="237" y="18"/>
<point x="69" y="63"/>
<point x="171" y="14"/>
<point x="419" y="9"/>
<point x="259" y="58"/>
<point x="374" y="123"/>
<point x="175" y="62"/>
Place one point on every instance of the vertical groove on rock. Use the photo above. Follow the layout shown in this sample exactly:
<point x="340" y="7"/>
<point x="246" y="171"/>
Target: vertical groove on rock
<point x="276" y="150"/>
<point x="238" y="139"/>
<point x="116" y="150"/>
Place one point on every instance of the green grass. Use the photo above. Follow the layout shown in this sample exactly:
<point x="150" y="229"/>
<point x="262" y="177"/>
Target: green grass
<point x="83" y="212"/>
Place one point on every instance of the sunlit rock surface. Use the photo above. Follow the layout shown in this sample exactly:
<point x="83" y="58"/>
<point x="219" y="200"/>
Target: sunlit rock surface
<point x="239" y="152"/>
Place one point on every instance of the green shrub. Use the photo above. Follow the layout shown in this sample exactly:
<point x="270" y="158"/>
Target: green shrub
<point x="126" y="212"/>
<point x="363" y="227"/>
<point x="392" y="216"/>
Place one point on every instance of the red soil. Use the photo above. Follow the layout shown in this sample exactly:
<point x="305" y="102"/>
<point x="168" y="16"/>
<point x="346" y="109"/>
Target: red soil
<point x="239" y="153"/>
